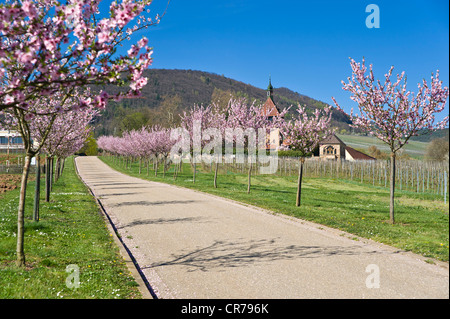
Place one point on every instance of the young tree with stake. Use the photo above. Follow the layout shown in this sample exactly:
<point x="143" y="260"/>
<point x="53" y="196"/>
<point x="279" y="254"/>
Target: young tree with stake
<point x="304" y="134"/>
<point x="391" y="113"/>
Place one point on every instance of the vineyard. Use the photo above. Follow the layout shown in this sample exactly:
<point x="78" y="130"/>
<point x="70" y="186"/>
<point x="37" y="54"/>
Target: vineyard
<point x="416" y="176"/>
<point x="412" y="175"/>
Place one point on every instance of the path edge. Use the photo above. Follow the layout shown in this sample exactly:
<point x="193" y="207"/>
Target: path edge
<point x="143" y="285"/>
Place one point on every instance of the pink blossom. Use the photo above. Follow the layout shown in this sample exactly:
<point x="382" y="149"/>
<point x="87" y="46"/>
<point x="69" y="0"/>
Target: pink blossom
<point x="8" y="99"/>
<point x="26" y="57"/>
<point x="390" y="112"/>
<point x="34" y="30"/>
<point x="28" y="8"/>
<point x="143" y="42"/>
<point x="50" y="44"/>
<point x="103" y="37"/>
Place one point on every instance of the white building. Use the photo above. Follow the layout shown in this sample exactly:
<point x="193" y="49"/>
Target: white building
<point x="333" y="148"/>
<point x="10" y="141"/>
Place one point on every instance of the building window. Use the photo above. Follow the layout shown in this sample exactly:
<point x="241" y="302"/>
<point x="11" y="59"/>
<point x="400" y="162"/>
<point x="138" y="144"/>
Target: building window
<point x="16" y="140"/>
<point x="330" y="150"/>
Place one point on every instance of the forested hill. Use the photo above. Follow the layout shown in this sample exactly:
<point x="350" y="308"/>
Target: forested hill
<point x="169" y="92"/>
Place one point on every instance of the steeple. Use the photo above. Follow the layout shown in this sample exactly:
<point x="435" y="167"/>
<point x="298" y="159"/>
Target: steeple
<point x="270" y="89"/>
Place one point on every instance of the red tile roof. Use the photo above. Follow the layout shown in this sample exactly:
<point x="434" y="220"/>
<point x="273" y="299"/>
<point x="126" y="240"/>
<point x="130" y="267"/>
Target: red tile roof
<point x="269" y="108"/>
<point x="357" y="155"/>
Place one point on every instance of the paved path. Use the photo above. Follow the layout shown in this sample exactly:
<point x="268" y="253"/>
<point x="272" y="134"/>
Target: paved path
<point x="192" y="245"/>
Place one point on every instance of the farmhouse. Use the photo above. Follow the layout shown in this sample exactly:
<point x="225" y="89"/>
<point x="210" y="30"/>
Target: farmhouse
<point x="333" y="148"/>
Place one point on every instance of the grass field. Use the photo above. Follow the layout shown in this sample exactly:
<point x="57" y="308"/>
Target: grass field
<point x="71" y="231"/>
<point x="360" y="209"/>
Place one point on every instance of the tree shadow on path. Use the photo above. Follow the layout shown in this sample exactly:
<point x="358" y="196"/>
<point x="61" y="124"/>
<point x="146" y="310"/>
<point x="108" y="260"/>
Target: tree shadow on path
<point x="154" y="203"/>
<point x="223" y="254"/>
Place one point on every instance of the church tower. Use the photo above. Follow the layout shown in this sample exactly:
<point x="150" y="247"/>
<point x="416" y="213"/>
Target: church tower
<point x="270" y="90"/>
<point x="270" y="110"/>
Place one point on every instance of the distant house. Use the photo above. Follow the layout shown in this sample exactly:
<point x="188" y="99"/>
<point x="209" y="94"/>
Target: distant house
<point x="10" y="141"/>
<point x="333" y="148"/>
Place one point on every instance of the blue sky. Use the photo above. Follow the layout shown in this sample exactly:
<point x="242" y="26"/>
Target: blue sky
<point x="304" y="45"/>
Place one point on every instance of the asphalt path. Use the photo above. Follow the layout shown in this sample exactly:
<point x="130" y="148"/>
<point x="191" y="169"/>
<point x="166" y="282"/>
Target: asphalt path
<point x="190" y="244"/>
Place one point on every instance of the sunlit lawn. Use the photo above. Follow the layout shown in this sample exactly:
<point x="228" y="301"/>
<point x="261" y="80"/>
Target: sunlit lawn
<point x="71" y="231"/>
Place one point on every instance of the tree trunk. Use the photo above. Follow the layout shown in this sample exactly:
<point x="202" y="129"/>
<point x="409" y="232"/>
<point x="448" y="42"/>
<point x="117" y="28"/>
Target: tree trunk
<point x="299" y="186"/>
<point x="249" y="178"/>
<point x="175" y="172"/>
<point x="215" y="174"/>
<point x="164" y="166"/>
<point x="195" y="168"/>
<point x="57" y="168"/>
<point x="37" y="193"/>
<point x="392" y="186"/>
<point x="51" y="172"/>
<point x="47" y="179"/>
<point x="20" y="262"/>
<point x="63" y="161"/>
<point x="140" y="163"/>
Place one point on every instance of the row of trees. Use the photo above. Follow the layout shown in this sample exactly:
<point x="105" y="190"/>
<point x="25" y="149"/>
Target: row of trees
<point x="51" y="51"/>
<point x="144" y="144"/>
<point x="206" y="131"/>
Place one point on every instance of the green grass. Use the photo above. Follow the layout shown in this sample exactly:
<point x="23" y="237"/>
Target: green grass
<point x="71" y="230"/>
<point x="422" y="223"/>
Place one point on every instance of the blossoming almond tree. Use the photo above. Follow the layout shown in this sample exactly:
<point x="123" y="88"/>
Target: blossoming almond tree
<point x="248" y="119"/>
<point x="391" y="113"/>
<point x="44" y="131"/>
<point x="304" y="134"/>
<point x="195" y="121"/>
<point x="51" y="47"/>
<point x="67" y="133"/>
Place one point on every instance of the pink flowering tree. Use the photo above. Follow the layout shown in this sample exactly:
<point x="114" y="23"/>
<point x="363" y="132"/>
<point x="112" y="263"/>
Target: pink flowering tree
<point x="18" y="119"/>
<point x="393" y="114"/>
<point x="195" y="121"/>
<point x="48" y="46"/>
<point x="48" y="133"/>
<point x="137" y="142"/>
<point x="251" y="126"/>
<point x="51" y="48"/>
<point x="163" y="145"/>
<point x="304" y="134"/>
<point x="142" y="144"/>
<point x="67" y="134"/>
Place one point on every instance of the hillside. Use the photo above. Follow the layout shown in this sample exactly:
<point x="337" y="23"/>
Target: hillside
<point x="170" y="92"/>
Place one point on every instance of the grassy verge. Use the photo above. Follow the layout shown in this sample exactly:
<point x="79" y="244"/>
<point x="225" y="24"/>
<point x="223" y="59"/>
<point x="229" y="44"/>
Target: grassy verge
<point x="363" y="210"/>
<point x="71" y="231"/>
